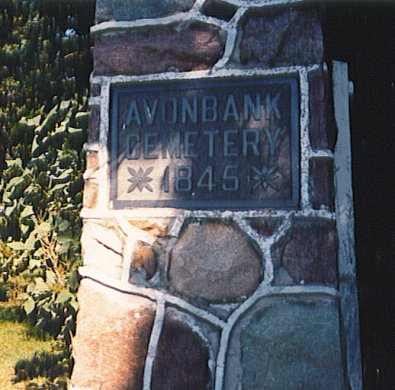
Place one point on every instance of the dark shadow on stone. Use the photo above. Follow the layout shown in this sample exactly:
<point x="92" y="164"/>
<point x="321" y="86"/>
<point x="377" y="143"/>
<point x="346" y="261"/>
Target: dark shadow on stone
<point x="219" y="9"/>
<point x="181" y="360"/>
<point x="310" y="255"/>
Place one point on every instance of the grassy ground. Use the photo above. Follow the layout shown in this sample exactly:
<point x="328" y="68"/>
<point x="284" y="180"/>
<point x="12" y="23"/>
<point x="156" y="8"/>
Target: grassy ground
<point x="16" y="345"/>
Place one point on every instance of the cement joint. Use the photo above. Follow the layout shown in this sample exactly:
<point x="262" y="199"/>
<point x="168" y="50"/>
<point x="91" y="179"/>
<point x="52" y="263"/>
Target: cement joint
<point x="261" y="3"/>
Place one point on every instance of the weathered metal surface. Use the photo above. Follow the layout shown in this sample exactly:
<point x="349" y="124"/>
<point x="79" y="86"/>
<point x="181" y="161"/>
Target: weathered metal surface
<point x="226" y="144"/>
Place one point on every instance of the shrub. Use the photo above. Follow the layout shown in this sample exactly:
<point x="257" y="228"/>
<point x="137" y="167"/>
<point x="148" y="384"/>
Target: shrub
<point x="45" y="62"/>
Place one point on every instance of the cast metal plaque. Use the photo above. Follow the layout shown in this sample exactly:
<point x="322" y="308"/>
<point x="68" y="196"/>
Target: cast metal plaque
<point x="223" y="144"/>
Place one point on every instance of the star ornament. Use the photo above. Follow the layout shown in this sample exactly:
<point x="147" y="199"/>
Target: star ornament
<point x="140" y="179"/>
<point x="265" y="177"/>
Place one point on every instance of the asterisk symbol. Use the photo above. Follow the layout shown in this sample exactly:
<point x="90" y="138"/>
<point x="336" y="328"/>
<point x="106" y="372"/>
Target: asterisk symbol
<point x="140" y="179"/>
<point x="265" y="177"/>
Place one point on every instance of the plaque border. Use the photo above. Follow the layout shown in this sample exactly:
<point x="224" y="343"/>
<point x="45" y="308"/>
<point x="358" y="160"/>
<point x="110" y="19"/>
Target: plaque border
<point x="234" y="205"/>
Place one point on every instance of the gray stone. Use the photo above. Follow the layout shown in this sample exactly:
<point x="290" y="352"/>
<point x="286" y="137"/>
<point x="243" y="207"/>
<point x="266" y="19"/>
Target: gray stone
<point x="138" y="9"/>
<point x="112" y="338"/>
<point x="215" y="262"/>
<point x="282" y="278"/>
<point x="281" y="38"/>
<point x="287" y="343"/>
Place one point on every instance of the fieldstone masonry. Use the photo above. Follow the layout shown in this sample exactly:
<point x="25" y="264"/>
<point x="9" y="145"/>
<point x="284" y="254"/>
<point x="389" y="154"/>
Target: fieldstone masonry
<point x="204" y="272"/>
<point x="196" y="299"/>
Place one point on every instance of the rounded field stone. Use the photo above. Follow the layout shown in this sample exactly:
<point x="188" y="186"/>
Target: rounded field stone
<point x="113" y="331"/>
<point x="181" y="359"/>
<point x="214" y="261"/>
<point x="144" y="260"/>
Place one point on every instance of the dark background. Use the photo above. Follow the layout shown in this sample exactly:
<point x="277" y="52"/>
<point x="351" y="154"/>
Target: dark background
<point x="363" y="34"/>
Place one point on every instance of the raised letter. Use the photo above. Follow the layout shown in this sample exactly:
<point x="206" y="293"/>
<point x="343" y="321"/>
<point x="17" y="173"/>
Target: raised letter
<point x="228" y="143"/>
<point x="133" y="150"/>
<point x="186" y="108"/>
<point x="231" y="109"/>
<point x="209" y="109"/>
<point x="230" y="182"/>
<point x="149" y="145"/>
<point x="211" y="134"/>
<point x="255" y="108"/>
<point x="172" y="118"/>
<point x="171" y="145"/>
<point x="165" y="180"/>
<point x="133" y="114"/>
<point x="253" y="143"/>
<point x="188" y="144"/>
<point x="183" y="179"/>
<point x="206" y="180"/>
<point x="272" y="138"/>
<point x="272" y="105"/>
<point x="150" y="111"/>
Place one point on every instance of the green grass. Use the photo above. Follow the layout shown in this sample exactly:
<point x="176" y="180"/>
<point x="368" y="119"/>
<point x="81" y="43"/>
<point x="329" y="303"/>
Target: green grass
<point x="15" y="344"/>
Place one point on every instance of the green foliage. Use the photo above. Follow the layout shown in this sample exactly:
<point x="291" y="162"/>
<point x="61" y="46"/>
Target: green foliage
<point x="44" y="58"/>
<point x="44" y="67"/>
<point x="41" y="198"/>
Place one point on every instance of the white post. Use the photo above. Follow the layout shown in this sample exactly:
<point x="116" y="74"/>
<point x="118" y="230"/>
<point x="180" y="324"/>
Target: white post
<point x="345" y="227"/>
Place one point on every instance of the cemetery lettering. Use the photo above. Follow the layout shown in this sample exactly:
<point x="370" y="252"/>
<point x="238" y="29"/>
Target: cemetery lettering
<point x="213" y="142"/>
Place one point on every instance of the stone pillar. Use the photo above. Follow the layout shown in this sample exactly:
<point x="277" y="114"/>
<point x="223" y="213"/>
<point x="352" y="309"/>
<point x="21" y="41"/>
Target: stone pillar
<point x="211" y="221"/>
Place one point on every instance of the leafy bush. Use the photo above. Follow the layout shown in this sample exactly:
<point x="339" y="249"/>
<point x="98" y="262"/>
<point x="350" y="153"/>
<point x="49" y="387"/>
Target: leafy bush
<point x="44" y="66"/>
<point x="41" y="200"/>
